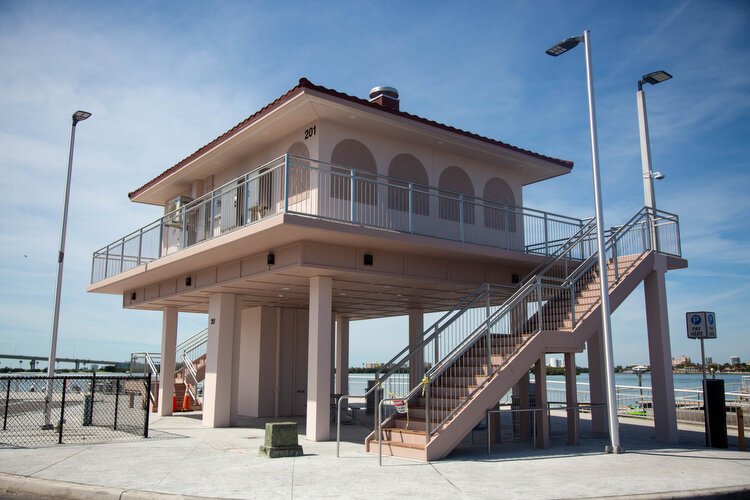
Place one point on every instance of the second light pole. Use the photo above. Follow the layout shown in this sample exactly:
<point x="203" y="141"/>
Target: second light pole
<point x="649" y="197"/>
<point x="614" y="429"/>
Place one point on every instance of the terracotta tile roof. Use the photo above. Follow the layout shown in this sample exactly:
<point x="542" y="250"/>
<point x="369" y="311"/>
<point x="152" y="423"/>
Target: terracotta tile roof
<point x="304" y="83"/>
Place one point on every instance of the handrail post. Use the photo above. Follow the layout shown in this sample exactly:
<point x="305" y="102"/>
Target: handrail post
<point x="573" y="297"/>
<point x="161" y="237"/>
<point x="246" y="200"/>
<point x="488" y="335"/>
<point x="353" y="175"/>
<point x="211" y="216"/>
<point x="427" y="415"/>
<point x="286" y="183"/>
<point x="122" y="254"/>
<point x="140" y="246"/>
<point x="411" y="207"/>
<point x="546" y="235"/>
<point x="461" y="216"/>
<point x="380" y="433"/>
<point x="507" y="228"/>
<point x="539" y="302"/>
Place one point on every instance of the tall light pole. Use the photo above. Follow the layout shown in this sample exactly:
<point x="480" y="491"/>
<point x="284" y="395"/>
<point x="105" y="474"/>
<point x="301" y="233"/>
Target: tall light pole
<point x="614" y="431"/>
<point x="78" y="116"/>
<point x="649" y="196"/>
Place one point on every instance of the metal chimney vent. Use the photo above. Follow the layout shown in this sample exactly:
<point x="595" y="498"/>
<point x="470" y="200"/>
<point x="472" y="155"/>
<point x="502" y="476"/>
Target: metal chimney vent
<point x="385" y="96"/>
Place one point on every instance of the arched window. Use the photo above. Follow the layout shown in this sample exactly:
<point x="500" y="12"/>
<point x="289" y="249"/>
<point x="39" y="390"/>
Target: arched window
<point x="498" y="191"/>
<point x="299" y="170"/>
<point x="355" y="156"/>
<point x="408" y="169"/>
<point x="454" y="181"/>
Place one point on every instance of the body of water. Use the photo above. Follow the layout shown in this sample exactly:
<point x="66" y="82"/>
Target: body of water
<point x="358" y="381"/>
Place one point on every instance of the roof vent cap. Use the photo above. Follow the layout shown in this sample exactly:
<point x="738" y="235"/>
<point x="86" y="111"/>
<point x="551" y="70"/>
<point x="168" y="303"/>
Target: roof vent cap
<point x="385" y="96"/>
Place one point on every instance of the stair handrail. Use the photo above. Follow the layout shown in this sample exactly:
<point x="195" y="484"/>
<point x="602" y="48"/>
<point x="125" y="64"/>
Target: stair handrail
<point x="193" y="372"/>
<point x="191" y="343"/>
<point x="445" y="320"/>
<point x="610" y="244"/>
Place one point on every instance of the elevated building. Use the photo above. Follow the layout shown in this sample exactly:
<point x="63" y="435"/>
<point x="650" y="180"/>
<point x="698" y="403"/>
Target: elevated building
<point x="323" y="208"/>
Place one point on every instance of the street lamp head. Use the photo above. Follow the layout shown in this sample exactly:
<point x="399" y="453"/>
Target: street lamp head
<point x="564" y="46"/>
<point x="654" y="78"/>
<point x="79" y="116"/>
<point x="658" y="175"/>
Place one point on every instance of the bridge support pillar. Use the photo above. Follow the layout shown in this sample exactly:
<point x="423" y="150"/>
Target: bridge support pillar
<point x="166" y="370"/>
<point x="660" y="353"/>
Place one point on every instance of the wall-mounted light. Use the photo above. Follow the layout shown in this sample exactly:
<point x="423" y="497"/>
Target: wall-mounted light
<point x="189" y="281"/>
<point x="132" y="295"/>
<point x="270" y="259"/>
<point x="368" y="260"/>
<point x="515" y="279"/>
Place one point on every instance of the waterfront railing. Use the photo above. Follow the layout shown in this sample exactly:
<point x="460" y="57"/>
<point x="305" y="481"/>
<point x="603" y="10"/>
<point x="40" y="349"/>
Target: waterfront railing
<point x="325" y="191"/>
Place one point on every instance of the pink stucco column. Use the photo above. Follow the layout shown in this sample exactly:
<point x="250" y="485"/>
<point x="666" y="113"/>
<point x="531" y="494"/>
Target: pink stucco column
<point x="571" y="398"/>
<point x="597" y="394"/>
<point x="660" y="353"/>
<point x="416" y="330"/>
<point x="319" y="360"/>
<point x="542" y="419"/>
<point x="217" y="389"/>
<point x="342" y="355"/>
<point x="166" y="370"/>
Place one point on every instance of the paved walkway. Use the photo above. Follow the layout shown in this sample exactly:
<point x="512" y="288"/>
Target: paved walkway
<point x="183" y="458"/>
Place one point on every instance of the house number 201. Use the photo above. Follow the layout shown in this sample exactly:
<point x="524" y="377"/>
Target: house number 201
<point x="310" y="132"/>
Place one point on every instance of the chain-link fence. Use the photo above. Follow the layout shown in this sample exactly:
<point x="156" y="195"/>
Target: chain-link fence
<point x="44" y="411"/>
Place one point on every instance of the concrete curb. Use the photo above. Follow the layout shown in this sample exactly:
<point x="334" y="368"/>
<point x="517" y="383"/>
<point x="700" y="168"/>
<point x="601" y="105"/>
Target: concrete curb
<point x="728" y="493"/>
<point x="51" y="488"/>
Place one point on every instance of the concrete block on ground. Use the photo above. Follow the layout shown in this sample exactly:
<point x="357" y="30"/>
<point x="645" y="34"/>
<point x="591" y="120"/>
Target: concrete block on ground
<point x="281" y="441"/>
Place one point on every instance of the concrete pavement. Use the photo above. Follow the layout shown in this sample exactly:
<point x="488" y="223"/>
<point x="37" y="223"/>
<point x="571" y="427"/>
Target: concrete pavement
<point x="185" y="459"/>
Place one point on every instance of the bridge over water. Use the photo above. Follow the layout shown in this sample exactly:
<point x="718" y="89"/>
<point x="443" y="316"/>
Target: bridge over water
<point x="76" y="361"/>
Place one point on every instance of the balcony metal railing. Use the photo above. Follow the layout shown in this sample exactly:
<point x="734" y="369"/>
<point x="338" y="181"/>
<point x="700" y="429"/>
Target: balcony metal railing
<point x="303" y="186"/>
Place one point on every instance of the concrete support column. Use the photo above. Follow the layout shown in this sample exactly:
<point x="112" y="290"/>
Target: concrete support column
<point x="571" y="398"/>
<point x="319" y="359"/>
<point x="660" y="353"/>
<point x="542" y="418"/>
<point x="217" y="389"/>
<point x="597" y="385"/>
<point x="524" y="403"/>
<point x="166" y="370"/>
<point x="342" y="355"/>
<point x="416" y="329"/>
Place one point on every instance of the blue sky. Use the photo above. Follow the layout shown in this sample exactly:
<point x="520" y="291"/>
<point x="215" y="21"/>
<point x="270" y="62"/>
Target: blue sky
<point x="163" y="78"/>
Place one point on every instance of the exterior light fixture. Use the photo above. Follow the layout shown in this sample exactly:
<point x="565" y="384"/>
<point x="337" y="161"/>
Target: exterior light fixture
<point x="564" y="46"/>
<point x="78" y="116"/>
<point x="654" y="78"/>
<point x="556" y="50"/>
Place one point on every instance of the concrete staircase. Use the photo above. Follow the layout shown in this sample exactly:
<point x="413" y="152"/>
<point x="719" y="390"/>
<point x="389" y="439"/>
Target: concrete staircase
<point x="181" y="381"/>
<point x="462" y="393"/>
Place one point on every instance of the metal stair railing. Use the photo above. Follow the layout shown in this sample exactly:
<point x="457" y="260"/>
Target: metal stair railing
<point x="547" y="300"/>
<point x="146" y="363"/>
<point x="186" y="353"/>
<point x="452" y="330"/>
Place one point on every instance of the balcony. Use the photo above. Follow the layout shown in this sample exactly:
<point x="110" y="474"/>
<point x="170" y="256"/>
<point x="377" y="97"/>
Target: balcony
<point x="311" y="188"/>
